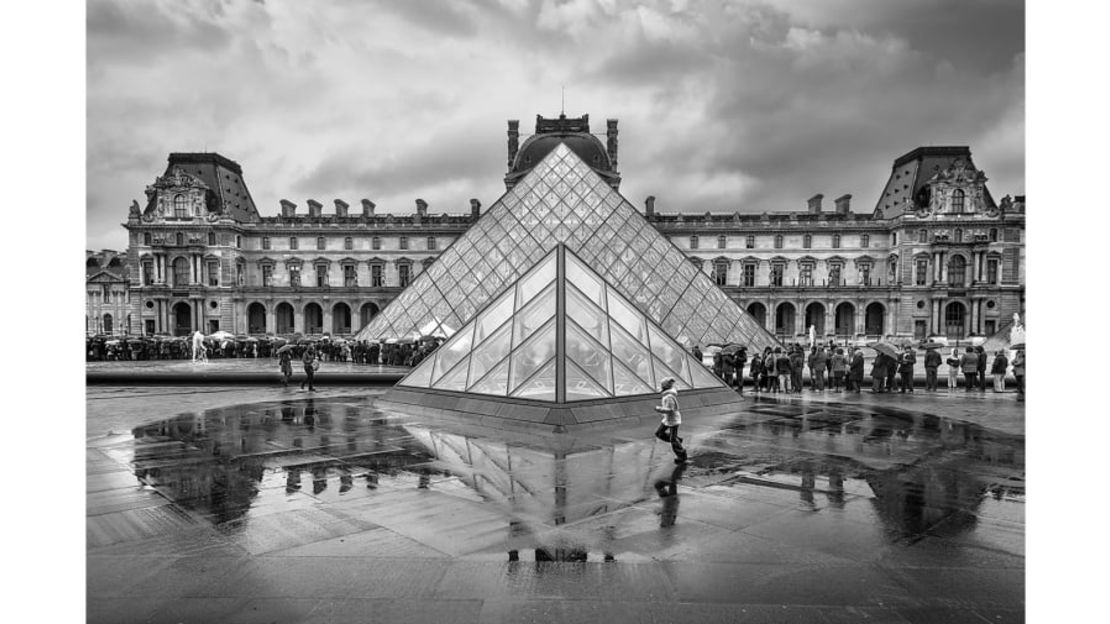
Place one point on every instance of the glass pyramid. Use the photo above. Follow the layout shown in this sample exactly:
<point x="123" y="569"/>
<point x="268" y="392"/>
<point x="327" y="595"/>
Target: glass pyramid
<point x="563" y="201"/>
<point x="561" y="333"/>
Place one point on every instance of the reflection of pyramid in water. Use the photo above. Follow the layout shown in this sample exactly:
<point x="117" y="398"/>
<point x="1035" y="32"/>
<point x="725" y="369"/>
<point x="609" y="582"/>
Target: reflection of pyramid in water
<point x="563" y="201"/>
<point x="520" y="346"/>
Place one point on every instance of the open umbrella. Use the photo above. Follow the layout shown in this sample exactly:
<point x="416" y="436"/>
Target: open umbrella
<point x="285" y="348"/>
<point x="885" y="348"/>
<point x="221" y="335"/>
<point x="733" y="348"/>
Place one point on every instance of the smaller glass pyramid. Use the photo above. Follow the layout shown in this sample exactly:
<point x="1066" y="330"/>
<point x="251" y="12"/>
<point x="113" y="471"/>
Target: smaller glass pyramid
<point x="560" y="333"/>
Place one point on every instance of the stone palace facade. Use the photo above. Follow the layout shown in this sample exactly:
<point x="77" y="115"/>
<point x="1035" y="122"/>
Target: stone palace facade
<point x="936" y="255"/>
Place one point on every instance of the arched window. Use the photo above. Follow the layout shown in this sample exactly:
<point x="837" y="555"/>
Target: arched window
<point x="180" y="206"/>
<point x="721" y="241"/>
<point x="693" y="242"/>
<point x="957" y="267"/>
<point x="957" y="200"/>
<point x="181" y="271"/>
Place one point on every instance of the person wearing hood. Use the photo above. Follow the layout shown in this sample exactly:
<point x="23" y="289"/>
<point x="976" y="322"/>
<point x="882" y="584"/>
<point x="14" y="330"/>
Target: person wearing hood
<point x="672" y="418"/>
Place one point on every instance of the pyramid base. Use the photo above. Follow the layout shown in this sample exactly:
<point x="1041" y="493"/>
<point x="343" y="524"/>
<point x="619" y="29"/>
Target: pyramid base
<point x="502" y="412"/>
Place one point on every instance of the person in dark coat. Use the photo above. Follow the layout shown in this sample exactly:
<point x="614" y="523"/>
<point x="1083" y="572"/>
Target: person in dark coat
<point x="818" y="366"/>
<point x="757" y="372"/>
<point x="797" y="368"/>
<point x="696" y="352"/>
<point x="739" y="359"/>
<point x="932" y="363"/>
<point x="1019" y="373"/>
<point x="309" y="361"/>
<point x="905" y="368"/>
<point x="969" y="364"/>
<point x="998" y="371"/>
<point x="878" y="373"/>
<point x="782" y="371"/>
<point x="855" y="370"/>
<point x="718" y="365"/>
<point x="981" y="369"/>
<point x="892" y="372"/>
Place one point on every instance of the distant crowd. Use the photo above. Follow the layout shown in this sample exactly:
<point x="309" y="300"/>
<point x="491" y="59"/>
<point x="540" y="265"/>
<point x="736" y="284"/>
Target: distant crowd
<point x="391" y="353"/>
<point x="841" y="369"/>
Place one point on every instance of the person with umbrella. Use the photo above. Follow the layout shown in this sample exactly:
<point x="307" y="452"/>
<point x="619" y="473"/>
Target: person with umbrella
<point x="285" y="361"/>
<point x="905" y="368"/>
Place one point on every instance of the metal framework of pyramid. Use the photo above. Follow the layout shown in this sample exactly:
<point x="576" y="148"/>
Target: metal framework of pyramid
<point x="563" y="201"/>
<point x="560" y="334"/>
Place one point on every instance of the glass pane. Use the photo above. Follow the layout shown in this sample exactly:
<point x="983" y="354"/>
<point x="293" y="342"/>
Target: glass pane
<point x="662" y="372"/>
<point x="534" y="315"/>
<point x="455" y="379"/>
<point x="626" y="383"/>
<point x="533" y="283"/>
<point x="532" y="354"/>
<point x="666" y="350"/>
<point x="633" y="354"/>
<point x="496" y="382"/>
<point x="592" y="357"/>
<point x="541" y="387"/>
<point x="494" y="317"/>
<point x="700" y="377"/>
<point x="589" y="317"/>
<point x="420" y="377"/>
<point x="451" y="352"/>
<point x="580" y="386"/>
<point x="585" y="280"/>
<point x="490" y="353"/>
<point x="627" y="315"/>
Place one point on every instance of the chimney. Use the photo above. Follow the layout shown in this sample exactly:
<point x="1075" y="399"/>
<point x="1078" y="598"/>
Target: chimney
<point x="367" y="208"/>
<point x="842" y="204"/>
<point x="649" y="206"/>
<point x="288" y="208"/>
<point x="421" y="208"/>
<point x="341" y="208"/>
<point x="314" y="208"/>
<point x="514" y="137"/>
<point x="815" y="203"/>
<point x="612" y="134"/>
<point x="475" y="209"/>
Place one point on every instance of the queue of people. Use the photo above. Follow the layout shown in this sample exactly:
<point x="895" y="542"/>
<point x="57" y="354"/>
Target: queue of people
<point x="841" y="369"/>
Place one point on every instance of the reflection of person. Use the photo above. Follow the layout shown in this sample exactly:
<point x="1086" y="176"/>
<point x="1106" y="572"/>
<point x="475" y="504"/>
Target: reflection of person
<point x="672" y="418"/>
<point x="285" y="358"/>
<point x="668" y="492"/>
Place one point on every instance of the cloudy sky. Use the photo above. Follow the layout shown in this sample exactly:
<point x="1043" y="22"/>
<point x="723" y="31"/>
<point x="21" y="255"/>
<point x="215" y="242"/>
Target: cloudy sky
<point x="723" y="106"/>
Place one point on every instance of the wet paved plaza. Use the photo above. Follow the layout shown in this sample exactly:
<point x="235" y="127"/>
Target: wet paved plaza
<point x="268" y="505"/>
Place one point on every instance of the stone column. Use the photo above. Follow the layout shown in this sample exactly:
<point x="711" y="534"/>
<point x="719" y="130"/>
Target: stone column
<point x="271" y="318"/>
<point x="327" y="318"/>
<point x="973" y="315"/>
<point x="943" y="268"/>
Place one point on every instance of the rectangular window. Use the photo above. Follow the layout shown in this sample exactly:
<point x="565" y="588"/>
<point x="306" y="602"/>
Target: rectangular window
<point x="431" y="243"/>
<point x="805" y="277"/>
<point x="265" y="242"/>
<point x="348" y="243"/>
<point x="922" y="236"/>
<point x="211" y="238"/>
<point x="921" y="279"/>
<point x="321" y="243"/>
<point x="350" y="276"/>
<point x="107" y="293"/>
<point x="321" y="276"/>
<point x="778" y="241"/>
<point x="213" y="273"/>
<point x="776" y="274"/>
<point x="403" y="273"/>
<point x="807" y="241"/>
<point x="865" y="275"/>
<point x="404" y="243"/>
<point x="834" y="275"/>
<point x="749" y="242"/>
<point x="293" y="242"/>
<point x="376" y="243"/>
<point x="376" y="280"/>
<point x="240" y="275"/>
<point x="836" y="241"/>
<point x="267" y="275"/>
<point x="720" y="273"/>
<point x="721" y="242"/>
<point x="148" y="273"/>
<point x="295" y="276"/>
<point x="864" y="240"/>
<point x="749" y="275"/>
<point x="992" y="271"/>
<point x="1011" y="235"/>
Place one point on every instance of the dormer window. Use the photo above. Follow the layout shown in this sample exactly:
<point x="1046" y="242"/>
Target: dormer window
<point x="180" y="206"/>
<point x="957" y="201"/>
